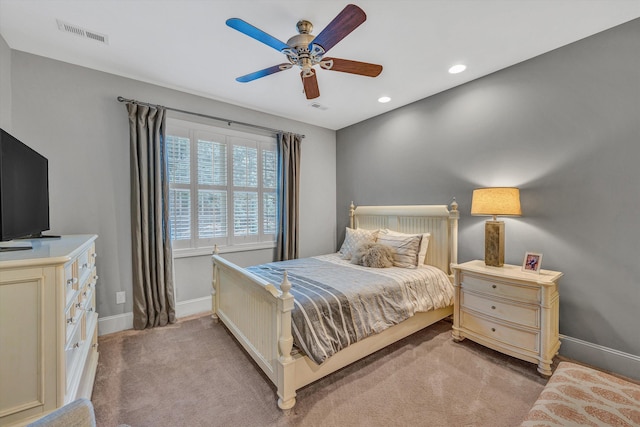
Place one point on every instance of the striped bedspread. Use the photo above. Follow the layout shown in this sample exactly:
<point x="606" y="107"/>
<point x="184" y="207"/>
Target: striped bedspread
<point x="338" y="303"/>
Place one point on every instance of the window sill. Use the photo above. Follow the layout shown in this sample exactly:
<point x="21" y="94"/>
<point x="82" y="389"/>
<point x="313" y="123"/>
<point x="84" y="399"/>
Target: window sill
<point x="186" y="253"/>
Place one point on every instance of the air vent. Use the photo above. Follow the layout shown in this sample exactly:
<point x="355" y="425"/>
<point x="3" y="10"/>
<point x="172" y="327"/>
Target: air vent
<point x="319" y="106"/>
<point x="82" y="32"/>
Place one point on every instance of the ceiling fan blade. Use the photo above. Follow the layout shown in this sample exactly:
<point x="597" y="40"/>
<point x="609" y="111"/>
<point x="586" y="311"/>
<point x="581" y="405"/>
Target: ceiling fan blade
<point x="343" y="24"/>
<point x="256" y="33"/>
<point x="353" y="67"/>
<point x="262" y="73"/>
<point x="310" y="83"/>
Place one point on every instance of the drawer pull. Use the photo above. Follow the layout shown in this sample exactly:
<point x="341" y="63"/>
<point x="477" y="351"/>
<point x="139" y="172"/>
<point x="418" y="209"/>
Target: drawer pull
<point x="70" y="321"/>
<point x="69" y="282"/>
<point x="90" y="309"/>
<point x="95" y="277"/>
<point x="79" y="305"/>
<point x="493" y="329"/>
<point x="76" y="345"/>
<point x="94" y="255"/>
<point x="493" y="307"/>
<point x="85" y="265"/>
<point x="95" y="345"/>
<point x="494" y="286"/>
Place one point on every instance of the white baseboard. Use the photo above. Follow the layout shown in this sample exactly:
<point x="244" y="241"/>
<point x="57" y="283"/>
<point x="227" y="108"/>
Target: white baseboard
<point x="606" y="358"/>
<point x="193" y="306"/>
<point x="117" y="323"/>
<point x="122" y="322"/>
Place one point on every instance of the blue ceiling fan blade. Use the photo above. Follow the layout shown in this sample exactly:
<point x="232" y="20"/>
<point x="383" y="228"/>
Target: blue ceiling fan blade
<point x="256" y="33"/>
<point x="262" y="73"/>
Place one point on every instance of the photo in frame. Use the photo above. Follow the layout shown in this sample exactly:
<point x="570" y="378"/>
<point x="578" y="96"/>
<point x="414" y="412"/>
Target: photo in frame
<point x="532" y="262"/>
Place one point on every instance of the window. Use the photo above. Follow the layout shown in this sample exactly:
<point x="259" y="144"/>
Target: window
<point x="222" y="188"/>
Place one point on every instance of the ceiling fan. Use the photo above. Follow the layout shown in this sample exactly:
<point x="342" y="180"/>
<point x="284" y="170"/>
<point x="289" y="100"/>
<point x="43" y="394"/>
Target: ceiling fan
<point x="306" y="50"/>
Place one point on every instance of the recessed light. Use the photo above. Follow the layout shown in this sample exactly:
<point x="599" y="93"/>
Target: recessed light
<point x="457" y="68"/>
<point x="384" y="99"/>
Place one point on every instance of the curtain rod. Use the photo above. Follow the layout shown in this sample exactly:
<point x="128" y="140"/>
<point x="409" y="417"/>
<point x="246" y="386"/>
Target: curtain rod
<point x="229" y="122"/>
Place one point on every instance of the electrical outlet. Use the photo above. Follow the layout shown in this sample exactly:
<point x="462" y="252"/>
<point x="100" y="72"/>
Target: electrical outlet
<point x="121" y="297"/>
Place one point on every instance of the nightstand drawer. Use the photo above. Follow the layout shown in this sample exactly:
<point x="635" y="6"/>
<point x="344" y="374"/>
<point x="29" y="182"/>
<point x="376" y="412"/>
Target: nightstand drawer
<point x="497" y="331"/>
<point x="499" y="288"/>
<point x="522" y="314"/>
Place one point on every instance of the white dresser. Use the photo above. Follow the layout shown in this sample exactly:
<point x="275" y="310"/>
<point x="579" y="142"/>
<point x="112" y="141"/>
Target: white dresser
<point x="48" y="327"/>
<point x="508" y="310"/>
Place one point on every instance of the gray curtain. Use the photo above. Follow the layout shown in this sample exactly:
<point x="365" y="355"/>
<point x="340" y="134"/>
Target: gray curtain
<point x="153" y="292"/>
<point x="288" y="195"/>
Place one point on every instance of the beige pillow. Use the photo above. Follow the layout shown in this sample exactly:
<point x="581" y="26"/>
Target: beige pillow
<point x="424" y="245"/>
<point x="406" y="247"/>
<point x="355" y="237"/>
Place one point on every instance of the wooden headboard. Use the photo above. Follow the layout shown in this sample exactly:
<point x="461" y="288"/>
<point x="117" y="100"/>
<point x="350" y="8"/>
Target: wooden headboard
<point x="438" y="220"/>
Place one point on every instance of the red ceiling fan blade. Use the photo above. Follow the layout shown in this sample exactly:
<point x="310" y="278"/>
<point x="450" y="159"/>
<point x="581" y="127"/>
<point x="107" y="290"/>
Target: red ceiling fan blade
<point x="348" y="20"/>
<point x="262" y="73"/>
<point x="310" y="83"/>
<point x="353" y="67"/>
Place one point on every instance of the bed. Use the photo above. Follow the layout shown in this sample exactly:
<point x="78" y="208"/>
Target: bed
<point x="258" y="311"/>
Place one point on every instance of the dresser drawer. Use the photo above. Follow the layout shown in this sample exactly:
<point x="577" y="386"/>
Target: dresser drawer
<point x="72" y="318"/>
<point x="73" y="351"/>
<point x="84" y="264"/>
<point x="70" y="280"/>
<point x="527" y="340"/>
<point x="499" y="288"/>
<point x="522" y="314"/>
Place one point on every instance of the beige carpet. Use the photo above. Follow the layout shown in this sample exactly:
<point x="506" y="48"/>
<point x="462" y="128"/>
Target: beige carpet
<point x="194" y="373"/>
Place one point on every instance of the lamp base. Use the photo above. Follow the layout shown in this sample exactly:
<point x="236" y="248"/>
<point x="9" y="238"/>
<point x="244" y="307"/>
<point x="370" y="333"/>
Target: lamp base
<point x="494" y="243"/>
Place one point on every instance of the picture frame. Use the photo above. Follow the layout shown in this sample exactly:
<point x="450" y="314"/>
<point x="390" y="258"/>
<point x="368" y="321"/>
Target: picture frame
<point x="532" y="262"/>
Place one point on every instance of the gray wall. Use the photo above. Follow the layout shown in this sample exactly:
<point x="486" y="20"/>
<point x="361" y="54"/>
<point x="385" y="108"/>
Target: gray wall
<point x="565" y="128"/>
<point x="70" y="114"/>
<point x="5" y="86"/>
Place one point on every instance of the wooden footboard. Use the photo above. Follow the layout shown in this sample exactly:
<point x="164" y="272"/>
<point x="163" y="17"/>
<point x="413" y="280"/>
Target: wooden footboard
<point x="259" y="316"/>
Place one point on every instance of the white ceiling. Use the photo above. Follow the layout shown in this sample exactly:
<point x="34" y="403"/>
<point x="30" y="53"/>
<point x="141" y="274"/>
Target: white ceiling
<point x="185" y="45"/>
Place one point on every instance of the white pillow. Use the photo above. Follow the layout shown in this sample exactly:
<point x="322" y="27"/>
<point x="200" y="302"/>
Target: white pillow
<point x="353" y="238"/>
<point x="424" y="244"/>
<point x="406" y="246"/>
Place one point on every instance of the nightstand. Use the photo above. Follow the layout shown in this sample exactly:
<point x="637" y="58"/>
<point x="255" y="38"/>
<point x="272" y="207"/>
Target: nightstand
<point x="508" y="310"/>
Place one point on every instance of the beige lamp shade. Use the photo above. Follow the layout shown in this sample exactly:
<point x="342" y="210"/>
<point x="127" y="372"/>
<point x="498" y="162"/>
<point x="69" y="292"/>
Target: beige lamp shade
<point x="495" y="201"/>
<point x="504" y="201"/>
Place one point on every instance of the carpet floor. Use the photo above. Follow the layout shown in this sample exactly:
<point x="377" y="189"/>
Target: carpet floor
<point x="194" y="373"/>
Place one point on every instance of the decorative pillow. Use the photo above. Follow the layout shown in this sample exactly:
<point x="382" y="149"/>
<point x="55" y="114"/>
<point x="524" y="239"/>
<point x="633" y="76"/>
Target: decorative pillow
<point x="373" y="255"/>
<point x="406" y="247"/>
<point x="424" y="244"/>
<point x="354" y="237"/>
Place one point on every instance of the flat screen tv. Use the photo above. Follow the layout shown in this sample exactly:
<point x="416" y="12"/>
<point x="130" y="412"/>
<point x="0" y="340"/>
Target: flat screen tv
<point x="24" y="191"/>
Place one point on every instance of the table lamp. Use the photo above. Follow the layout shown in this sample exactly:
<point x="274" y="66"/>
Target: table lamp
<point x="494" y="201"/>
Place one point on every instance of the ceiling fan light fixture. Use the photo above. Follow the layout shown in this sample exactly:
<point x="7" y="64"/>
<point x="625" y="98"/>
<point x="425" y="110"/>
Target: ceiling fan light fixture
<point x="458" y="68"/>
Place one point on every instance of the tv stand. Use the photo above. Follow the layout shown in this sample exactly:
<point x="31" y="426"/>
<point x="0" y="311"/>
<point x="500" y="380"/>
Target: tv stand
<point x="37" y="236"/>
<point x="11" y="246"/>
<point x="15" y="248"/>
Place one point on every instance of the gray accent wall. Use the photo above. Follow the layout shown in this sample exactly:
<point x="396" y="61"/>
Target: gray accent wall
<point x="70" y="114"/>
<point x="565" y="128"/>
<point x="5" y="86"/>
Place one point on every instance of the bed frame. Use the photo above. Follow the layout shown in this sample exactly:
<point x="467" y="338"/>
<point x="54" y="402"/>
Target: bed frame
<point x="258" y="314"/>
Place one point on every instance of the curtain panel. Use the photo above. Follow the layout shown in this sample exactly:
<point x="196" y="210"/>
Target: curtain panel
<point x="153" y="288"/>
<point x="288" y="196"/>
